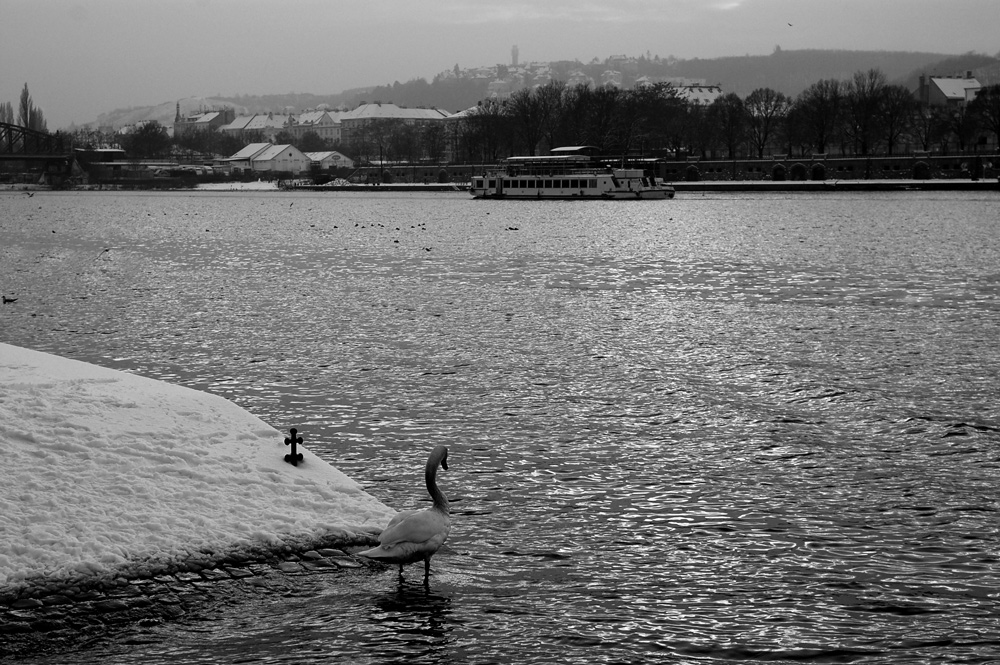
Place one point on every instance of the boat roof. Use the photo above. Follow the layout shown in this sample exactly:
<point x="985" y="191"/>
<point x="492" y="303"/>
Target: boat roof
<point x="575" y="149"/>
<point x="549" y="159"/>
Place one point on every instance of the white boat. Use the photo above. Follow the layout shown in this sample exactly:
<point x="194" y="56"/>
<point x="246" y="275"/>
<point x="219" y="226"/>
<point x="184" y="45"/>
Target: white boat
<point x="567" y="173"/>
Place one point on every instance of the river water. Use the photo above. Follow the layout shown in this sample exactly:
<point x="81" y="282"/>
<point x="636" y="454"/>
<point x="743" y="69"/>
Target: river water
<point x="723" y="428"/>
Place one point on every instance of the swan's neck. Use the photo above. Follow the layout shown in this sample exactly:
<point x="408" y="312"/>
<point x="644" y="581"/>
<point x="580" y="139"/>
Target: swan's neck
<point x="430" y="475"/>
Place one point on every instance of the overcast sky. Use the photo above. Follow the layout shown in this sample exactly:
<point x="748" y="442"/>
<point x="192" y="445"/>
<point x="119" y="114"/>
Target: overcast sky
<point x="84" y="57"/>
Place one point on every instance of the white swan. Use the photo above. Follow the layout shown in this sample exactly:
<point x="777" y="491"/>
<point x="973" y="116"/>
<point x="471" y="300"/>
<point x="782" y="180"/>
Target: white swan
<point x="413" y="535"/>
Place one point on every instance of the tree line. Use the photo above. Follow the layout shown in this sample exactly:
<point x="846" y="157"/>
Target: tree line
<point x="864" y="115"/>
<point x="27" y="115"/>
<point x="861" y="116"/>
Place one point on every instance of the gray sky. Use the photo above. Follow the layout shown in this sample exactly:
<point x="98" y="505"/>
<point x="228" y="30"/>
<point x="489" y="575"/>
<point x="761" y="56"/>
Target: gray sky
<point x="84" y="57"/>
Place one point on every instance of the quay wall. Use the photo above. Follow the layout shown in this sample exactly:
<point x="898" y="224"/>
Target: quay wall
<point x="780" y="168"/>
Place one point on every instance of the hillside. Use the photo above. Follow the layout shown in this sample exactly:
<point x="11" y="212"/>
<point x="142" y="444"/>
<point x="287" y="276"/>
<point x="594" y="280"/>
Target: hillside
<point x="789" y="72"/>
<point x="165" y="112"/>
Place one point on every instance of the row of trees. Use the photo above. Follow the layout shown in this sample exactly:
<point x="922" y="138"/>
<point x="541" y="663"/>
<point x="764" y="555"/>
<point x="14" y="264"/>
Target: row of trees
<point x="27" y="115"/>
<point x="864" y="115"/>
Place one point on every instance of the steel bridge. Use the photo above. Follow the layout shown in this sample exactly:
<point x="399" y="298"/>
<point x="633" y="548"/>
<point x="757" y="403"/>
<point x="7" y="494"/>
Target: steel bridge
<point x="52" y="154"/>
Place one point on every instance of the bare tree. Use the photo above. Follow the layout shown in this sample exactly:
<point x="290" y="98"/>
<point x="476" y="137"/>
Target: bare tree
<point x="550" y="111"/>
<point x="482" y="131"/>
<point x="730" y="117"/>
<point x="765" y="109"/>
<point x="986" y="107"/>
<point x="863" y="106"/>
<point x="898" y="106"/>
<point x="527" y="116"/>
<point x="819" y="109"/>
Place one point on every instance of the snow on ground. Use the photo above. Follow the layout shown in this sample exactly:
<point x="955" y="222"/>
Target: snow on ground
<point x="106" y="474"/>
<point x="258" y="185"/>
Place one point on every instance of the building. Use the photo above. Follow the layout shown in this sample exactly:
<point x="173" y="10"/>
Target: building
<point x="202" y="121"/>
<point x="259" y="127"/>
<point x="330" y="159"/>
<point x="701" y="95"/>
<point x="948" y="90"/>
<point x="326" y="124"/>
<point x="352" y="123"/>
<point x="263" y="157"/>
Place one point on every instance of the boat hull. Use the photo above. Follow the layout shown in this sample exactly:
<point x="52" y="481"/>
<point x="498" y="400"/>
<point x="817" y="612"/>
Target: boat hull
<point x="569" y="175"/>
<point x="649" y="194"/>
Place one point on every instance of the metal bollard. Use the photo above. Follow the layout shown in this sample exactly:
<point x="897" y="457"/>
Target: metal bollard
<point x="295" y="457"/>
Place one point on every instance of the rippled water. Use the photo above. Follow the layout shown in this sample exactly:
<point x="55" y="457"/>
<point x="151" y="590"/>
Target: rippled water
<point x="725" y="428"/>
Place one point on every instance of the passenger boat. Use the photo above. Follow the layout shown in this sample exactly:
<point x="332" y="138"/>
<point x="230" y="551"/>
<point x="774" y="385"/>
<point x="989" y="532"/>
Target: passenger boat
<point x="568" y="173"/>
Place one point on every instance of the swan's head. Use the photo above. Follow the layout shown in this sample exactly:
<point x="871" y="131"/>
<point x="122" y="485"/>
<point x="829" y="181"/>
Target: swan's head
<point x="440" y="453"/>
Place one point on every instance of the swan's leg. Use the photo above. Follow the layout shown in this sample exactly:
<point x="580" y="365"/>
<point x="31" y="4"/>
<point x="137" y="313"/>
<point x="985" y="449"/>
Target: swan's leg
<point x="427" y="568"/>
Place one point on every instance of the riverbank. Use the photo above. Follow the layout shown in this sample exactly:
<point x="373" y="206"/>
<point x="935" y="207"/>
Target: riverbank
<point x="114" y="477"/>
<point x="893" y="185"/>
<point x="838" y="186"/>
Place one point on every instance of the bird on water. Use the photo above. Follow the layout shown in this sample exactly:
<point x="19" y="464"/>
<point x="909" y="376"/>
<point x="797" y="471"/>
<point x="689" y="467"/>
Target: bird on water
<point x="415" y="535"/>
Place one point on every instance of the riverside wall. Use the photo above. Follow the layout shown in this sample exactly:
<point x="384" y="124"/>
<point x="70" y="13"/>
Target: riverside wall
<point x="821" y="168"/>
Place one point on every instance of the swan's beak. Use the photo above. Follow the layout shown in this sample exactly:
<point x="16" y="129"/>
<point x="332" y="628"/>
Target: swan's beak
<point x="444" y="464"/>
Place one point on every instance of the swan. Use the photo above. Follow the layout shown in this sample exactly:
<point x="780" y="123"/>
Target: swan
<point x="413" y="535"/>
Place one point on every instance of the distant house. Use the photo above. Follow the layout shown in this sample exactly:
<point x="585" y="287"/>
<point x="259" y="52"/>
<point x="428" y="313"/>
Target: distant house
<point x="326" y="124"/>
<point x="695" y="91"/>
<point x="330" y="159"/>
<point x="353" y="122"/>
<point x="262" y="157"/>
<point x="611" y="77"/>
<point x="285" y="158"/>
<point x="948" y="90"/>
<point x="243" y="159"/>
<point x="701" y="95"/>
<point x="259" y="127"/>
<point x="203" y="121"/>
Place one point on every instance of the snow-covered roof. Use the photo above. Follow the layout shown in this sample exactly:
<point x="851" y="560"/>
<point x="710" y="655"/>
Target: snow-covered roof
<point x="700" y="94"/>
<point x="249" y="151"/>
<point x="376" y="111"/>
<point x="274" y="151"/>
<point x="954" y="88"/>
<point x="239" y="122"/>
<point x="312" y="117"/>
<point x="206" y="118"/>
<point x="266" y="121"/>
<point x="326" y="154"/>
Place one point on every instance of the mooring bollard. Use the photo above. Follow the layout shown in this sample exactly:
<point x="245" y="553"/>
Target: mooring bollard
<point x="295" y="457"/>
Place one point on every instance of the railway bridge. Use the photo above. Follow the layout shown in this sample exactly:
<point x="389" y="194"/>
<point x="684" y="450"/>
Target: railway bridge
<point x="49" y="155"/>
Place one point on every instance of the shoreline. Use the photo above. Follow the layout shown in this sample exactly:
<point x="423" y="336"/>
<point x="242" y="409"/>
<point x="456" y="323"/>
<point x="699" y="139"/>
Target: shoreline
<point x="966" y="185"/>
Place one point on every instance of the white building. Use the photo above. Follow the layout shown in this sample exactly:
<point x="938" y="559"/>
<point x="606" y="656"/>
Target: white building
<point x="326" y="124"/>
<point x="262" y="157"/>
<point x="330" y="159"/>
<point x="262" y="127"/>
<point x="353" y="122"/>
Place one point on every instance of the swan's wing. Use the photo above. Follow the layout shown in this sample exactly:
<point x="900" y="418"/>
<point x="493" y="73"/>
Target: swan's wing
<point x="397" y="518"/>
<point x="418" y="526"/>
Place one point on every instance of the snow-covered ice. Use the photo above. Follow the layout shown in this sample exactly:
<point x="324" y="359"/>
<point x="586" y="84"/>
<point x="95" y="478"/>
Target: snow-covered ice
<point x="110" y="474"/>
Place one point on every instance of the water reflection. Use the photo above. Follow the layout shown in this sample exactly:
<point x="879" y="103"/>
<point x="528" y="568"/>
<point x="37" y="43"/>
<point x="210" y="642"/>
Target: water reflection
<point x="414" y="622"/>
<point x="728" y="429"/>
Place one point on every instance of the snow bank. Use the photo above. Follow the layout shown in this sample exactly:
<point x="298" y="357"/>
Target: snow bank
<point x="106" y="472"/>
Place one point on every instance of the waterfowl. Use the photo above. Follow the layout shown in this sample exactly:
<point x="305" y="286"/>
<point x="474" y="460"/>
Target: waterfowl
<point x="413" y="535"/>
